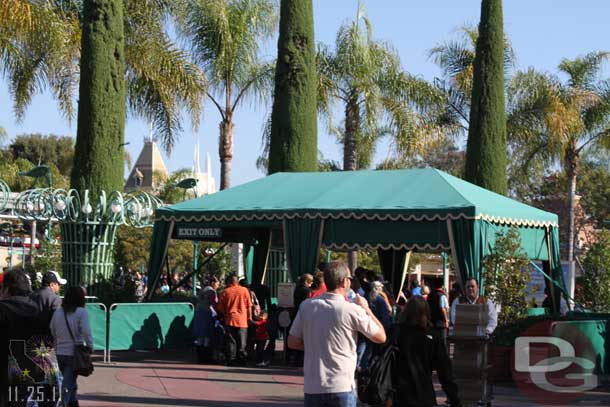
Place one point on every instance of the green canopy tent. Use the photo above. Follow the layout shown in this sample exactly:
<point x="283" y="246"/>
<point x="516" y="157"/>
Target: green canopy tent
<point x="392" y="211"/>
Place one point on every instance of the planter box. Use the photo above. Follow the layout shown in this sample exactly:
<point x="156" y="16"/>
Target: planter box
<point x="500" y="359"/>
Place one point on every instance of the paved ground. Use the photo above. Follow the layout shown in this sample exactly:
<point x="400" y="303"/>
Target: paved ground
<point x="172" y="379"/>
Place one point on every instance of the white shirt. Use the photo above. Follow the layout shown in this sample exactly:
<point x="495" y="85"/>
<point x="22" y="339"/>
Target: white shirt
<point x="329" y="326"/>
<point x="492" y="313"/>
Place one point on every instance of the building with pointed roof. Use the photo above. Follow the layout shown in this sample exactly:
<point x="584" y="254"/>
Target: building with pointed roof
<point x="149" y="163"/>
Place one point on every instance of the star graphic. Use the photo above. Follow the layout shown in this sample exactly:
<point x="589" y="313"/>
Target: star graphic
<point x="26" y="373"/>
<point x="41" y="351"/>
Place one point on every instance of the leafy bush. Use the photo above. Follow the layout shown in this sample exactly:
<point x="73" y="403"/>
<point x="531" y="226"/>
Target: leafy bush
<point x="594" y="292"/>
<point x="109" y="291"/>
<point x="506" y="275"/>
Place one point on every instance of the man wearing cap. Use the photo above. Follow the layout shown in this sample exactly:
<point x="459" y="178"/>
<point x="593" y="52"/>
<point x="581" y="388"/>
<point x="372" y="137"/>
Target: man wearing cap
<point x="46" y="297"/>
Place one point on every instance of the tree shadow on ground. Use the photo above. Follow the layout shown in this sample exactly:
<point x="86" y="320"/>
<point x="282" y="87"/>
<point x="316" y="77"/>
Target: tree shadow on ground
<point x="150" y="336"/>
<point x="178" y="334"/>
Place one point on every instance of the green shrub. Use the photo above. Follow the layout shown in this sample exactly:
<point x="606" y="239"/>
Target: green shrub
<point x="594" y="293"/>
<point x="506" y="276"/>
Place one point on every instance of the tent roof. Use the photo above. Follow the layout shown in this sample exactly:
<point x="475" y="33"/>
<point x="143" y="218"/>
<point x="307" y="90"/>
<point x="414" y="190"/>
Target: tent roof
<point x="410" y="194"/>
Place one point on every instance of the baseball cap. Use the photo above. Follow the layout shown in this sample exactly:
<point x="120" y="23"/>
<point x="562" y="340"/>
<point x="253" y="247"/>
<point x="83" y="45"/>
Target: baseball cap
<point x="53" y="277"/>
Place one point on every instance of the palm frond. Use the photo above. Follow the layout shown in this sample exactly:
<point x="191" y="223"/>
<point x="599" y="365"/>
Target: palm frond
<point x="225" y="36"/>
<point x="258" y="84"/>
<point x="160" y="81"/>
<point x="262" y="162"/>
<point x="39" y="47"/>
<point x="583" y="71"/>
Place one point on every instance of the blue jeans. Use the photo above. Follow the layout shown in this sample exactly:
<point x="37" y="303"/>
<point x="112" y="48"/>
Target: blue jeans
<point x="345" y="399"/>
<point x="68" y="386"/>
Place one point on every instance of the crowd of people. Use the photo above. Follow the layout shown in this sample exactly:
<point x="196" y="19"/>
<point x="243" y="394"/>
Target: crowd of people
<point x="360" y="318"/>
<point x="239" y="325"/>
<point x="52" y="326"/>
<point x="236" y="326"/>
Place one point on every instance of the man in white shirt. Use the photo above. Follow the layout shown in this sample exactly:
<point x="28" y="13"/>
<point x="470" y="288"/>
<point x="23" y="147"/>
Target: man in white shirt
<point x="326" y="328"/>
<point x="472" y="297"/>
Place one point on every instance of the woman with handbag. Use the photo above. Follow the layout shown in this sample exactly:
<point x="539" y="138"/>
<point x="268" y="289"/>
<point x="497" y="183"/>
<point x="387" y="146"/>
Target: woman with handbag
<point x="70" y="328"/>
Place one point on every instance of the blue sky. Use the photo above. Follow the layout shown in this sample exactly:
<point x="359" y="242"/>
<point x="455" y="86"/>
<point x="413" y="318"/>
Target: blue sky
<point x="542" y="33"/>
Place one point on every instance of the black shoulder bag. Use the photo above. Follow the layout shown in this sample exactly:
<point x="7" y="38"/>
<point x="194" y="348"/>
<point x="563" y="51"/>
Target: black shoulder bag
<point x="82" y="355"/>
<point x="375" y="384"/>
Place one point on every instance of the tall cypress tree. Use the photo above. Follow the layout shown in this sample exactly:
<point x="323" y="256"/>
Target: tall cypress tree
<point x="486" y="148"/>
<point x="294" y="142"/>
<point x="98" y="157"/>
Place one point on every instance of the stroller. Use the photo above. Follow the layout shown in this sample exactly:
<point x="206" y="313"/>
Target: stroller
<point x="211" y="351"/>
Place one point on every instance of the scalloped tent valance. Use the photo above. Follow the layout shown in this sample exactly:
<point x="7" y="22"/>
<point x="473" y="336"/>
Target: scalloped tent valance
<point x="406" y="195"/>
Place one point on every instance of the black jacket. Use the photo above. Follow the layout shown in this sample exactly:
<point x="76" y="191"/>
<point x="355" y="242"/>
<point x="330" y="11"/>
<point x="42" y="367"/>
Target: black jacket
<point x="301" y="293"/>
<point x="19" y="319"/>
<point x="420" y="352"/>
<point x="47" y="302"/>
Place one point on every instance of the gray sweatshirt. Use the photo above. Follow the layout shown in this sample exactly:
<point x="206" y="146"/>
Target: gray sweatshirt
<point x="79" y="323"/>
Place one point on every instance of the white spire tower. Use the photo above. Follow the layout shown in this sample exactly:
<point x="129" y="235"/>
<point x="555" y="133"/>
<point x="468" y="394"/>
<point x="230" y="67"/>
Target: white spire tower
<point x="196" y="167"/>
<point x="150" y="137"/>
<point x="208" y="173"/>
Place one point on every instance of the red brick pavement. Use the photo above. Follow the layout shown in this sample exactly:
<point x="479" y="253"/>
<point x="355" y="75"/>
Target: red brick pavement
<point x="170" y="379"/>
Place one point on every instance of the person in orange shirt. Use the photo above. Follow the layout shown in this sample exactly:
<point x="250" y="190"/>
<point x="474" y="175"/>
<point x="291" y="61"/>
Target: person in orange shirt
<point x="236" y="307"/>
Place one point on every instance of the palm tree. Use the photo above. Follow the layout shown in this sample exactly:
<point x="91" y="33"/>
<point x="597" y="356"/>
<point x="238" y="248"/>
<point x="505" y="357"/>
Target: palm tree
<point x="40" y="48"/>
<point x="455" y="58"/>
<point x="556" y="121"/>
<point x="379" y="98"/>
<point x="224" y="36"/>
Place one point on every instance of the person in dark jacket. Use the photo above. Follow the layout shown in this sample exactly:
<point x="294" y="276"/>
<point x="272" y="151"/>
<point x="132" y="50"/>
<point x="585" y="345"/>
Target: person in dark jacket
<point x="19" y="322"/>
<point x="263" y="294"/>
<point x="47" y="296"/>
<point x="439" y="309"/>
<point x="302" y="291"/>
<point x="421" y="351"/>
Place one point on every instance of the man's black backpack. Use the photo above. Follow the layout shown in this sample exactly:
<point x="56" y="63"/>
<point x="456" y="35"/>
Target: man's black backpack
<point x="375" y="382"/>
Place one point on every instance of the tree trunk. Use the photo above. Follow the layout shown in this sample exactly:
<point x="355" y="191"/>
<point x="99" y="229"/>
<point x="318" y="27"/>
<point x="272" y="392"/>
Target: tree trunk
<point x="486" y="146"/>
<point x="350" y="145"/>
<point x="350" y="156"/>
<point x="294" y="145"/>
<point x="571" y="161"/>
<point x="101" y="101"/>
<point x="225" y="152"/>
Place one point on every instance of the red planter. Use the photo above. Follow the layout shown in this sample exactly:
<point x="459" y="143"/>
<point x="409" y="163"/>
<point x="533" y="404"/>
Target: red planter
<point x="499" y="357"/>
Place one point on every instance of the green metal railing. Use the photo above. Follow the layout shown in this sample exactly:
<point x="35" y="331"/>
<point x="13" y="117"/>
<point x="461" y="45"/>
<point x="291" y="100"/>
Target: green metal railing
<point x="277" y="270"/>
<point x="5" y="192"/>
<point x="88" y="228"/>
<point x="87" y="251"/>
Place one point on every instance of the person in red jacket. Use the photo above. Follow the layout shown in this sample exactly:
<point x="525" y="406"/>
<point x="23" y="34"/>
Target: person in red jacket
<point x="319" y="287"/>
<point x="260" y="339"/>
